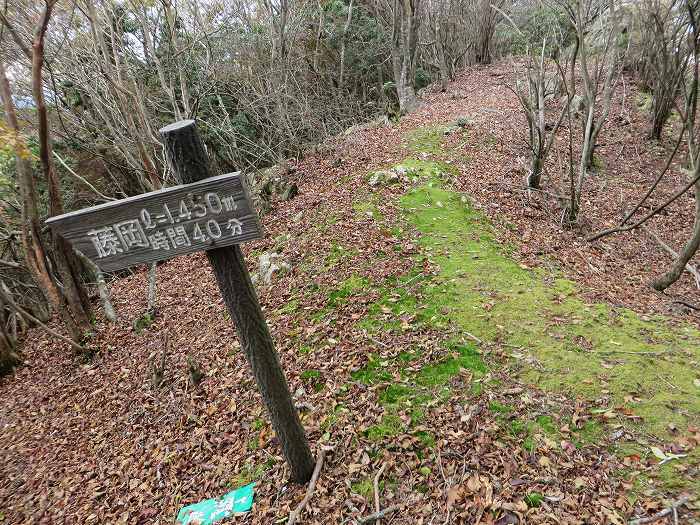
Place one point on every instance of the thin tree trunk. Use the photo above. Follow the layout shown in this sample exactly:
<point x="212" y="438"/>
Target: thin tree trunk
<point x="440" y="48"/>
<point x="32" y="241"/>
<point x="8" y="357"/>
<point x="76" y="299"/>
<point x="404" y="52"/>
<point x="346" y="27"/>
<point x="102" y="288"/>
<point x="152" y="289"/>
<point x="319" y="32"/>
<point x="688" y="251"/>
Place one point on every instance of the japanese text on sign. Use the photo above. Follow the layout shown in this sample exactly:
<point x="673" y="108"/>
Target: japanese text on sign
<point x="211" y="213"/>
<point x="162" y="232"/>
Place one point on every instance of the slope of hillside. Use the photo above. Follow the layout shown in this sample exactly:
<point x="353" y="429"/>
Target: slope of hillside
<point x="442" y="333"/>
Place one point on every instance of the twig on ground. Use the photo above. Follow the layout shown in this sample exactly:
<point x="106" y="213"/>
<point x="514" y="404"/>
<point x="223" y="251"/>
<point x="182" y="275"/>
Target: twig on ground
<point x="377" y="508"/>
<point x="662" y="514"/>
<point x="413" y="278"/>
<point x="9" y="301"/>
<point x="378" y="515"/>
<point x="294" y="515"/>
<point x="667" y="382"/>
<point x="685" y="303"/>
<point x="625" y="352"/>
<point x="376" y="341"/>
<point x="648" y="216"/>
<point x="475" y="338"/>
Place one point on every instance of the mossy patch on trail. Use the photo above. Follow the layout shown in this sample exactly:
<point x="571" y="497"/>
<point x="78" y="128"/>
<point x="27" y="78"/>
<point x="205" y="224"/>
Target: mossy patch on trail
<point x="641" y="363"/>
<point x="427" y="139"/>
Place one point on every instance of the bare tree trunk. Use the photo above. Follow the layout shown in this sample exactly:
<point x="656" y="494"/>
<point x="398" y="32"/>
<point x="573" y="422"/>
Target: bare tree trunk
<point x="152" y="288"/>
<point x="688" y="251"/>
<point x="404" y="52"/>
<point x="32" y="241"/>
<point x="317" y="46"/>
<point x="102" y="288"/>
<point x="8" y="357"/>
<point x="440" y="49"/>
<point x="346" y="27"/>
<point x="76" y="299"/>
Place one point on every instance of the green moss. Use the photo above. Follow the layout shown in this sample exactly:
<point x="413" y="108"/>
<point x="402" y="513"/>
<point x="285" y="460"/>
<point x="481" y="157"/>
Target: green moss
<point x="313" y="378"/>
<point x="497" y="407"/>
<point x="368" y="209"/>
<point x="310" y="375"/>
<point x="440" y="373"/>
<point x="290" y="307"/>
<point x="337" y="253"/>
<point x="143" y="322"/>
<point x="582" y="347"/>
<point x="547" y="425"/>
<point x="427" y="139"/>
<point x="305" y="350"/>
<point x="590" y="432"/>
<point x="364" y="488"/>
<point x="395" y="393"/>
<point x="250" y="473"/>
<point x="389" y="426"/>
<point x="351" y="286"/>
<point x="427" y="439"/>
<point x="373" y="372"/>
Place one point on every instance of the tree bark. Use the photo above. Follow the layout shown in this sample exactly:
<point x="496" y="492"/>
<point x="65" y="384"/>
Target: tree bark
<point x="32" y="241"/>
<point x="189" y="163"/>
<point x="687" y="253"/>
<point x="346" y="27"/>
<point x="440" y="50"/>
<point x="8" y="357"/>
<point x="67" y="265"/>
<point x="404" y="52"/>
<point x="152" y="289"/>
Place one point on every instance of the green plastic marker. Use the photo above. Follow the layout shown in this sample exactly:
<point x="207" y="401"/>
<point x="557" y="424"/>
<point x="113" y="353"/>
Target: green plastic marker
<point x="212" y="510"/>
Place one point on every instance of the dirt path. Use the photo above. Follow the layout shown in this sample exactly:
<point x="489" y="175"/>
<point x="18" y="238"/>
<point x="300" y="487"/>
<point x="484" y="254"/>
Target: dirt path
<point x="373" y="336"/>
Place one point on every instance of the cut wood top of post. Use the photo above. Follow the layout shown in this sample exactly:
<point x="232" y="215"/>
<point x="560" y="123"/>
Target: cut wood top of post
<point x="176" y="126"/>
<point x="155" y="226"/>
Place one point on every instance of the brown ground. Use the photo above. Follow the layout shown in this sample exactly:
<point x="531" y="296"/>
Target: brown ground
<point x="94" y="443"/>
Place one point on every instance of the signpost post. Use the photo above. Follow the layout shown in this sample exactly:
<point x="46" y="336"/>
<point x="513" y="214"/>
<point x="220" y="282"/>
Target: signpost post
<point x="208" y="213"/>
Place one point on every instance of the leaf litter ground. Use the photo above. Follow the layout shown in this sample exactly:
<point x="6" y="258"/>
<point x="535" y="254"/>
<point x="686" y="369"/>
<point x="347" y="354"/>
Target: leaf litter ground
<point x="440" y="335"/>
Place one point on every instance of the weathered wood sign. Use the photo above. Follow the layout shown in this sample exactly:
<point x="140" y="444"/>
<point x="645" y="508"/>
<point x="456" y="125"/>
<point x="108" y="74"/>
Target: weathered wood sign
<point x="208" y="213"/>
<point x="162" y="224"/>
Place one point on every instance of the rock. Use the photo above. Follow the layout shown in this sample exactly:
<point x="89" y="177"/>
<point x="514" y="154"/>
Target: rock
<point x="463" y="122"/>
<point x="291" y="191"/>
<point x="552" y="85"/>
<point x="271" y="265"/>
<point x="264" y="184"/>
<point x="379" y="178"/>
<point x="577" y="105"/>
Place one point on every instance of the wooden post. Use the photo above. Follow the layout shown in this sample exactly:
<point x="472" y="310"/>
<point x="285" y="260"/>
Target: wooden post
<point x="189" y="162"/>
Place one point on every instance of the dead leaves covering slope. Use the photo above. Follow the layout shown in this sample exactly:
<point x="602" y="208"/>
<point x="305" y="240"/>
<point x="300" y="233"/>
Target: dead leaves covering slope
<point x="94" y="443"/>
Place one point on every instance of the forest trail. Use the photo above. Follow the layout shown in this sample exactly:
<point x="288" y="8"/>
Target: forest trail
<point x="442" y="329"/>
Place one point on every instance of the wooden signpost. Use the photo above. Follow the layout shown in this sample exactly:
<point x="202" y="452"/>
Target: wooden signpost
<point x="155" y="226"/>
<point x="203" y="213"/>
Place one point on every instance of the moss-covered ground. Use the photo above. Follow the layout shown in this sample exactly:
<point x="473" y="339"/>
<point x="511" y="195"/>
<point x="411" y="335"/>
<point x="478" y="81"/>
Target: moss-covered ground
<point x="639" y="370"/>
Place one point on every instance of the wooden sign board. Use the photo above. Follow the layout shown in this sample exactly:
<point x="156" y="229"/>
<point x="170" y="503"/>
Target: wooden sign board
<point x="163" y="224"/>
